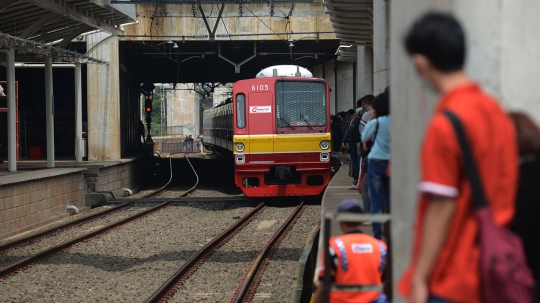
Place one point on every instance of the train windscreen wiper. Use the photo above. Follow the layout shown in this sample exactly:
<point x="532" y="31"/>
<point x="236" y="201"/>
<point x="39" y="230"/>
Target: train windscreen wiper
<point x="286" y="123"/>
<point x="305" y="120"/>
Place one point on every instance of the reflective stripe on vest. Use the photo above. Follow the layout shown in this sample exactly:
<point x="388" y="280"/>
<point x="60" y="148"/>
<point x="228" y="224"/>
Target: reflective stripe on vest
<point x="343" y="252"/>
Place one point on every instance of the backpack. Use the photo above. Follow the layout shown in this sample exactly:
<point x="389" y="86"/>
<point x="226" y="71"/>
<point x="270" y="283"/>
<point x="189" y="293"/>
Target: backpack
<point x="354" y="132"/>
<point x="504" y="273"/>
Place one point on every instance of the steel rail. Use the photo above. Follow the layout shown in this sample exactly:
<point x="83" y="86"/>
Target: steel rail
<point x="120" y="201"/>
<point x="247" y="285"/>
<point x="80" y="221"/>
<point x="65" y="245"/>
<point x="167" y="289"/>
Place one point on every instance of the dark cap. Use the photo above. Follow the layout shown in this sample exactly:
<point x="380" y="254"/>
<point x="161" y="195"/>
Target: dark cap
<point x="350" y="206"/>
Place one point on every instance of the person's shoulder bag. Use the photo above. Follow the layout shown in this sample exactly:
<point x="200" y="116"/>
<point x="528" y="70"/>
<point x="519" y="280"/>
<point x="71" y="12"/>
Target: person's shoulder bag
<point x="505" y="276"/>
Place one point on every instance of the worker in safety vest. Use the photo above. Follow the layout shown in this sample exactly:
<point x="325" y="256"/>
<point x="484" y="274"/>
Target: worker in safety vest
<point x="358" y="262"/>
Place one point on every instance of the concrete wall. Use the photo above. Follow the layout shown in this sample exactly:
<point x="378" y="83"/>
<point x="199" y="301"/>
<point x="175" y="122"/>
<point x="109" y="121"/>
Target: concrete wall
<point x="503" y="51"/>
<point x="103" y="99"/>
<point x="381" y="46"/>
<point x="345" y="86"/>
<point x="31" y="202"/>
<point x="183" y="110"/>
<point x="364" y="71"/>
<point x="130" y="174"/>
<point x="307" y="17"/>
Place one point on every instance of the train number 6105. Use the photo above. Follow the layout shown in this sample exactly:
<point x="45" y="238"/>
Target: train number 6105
<point x="259" y="87"/>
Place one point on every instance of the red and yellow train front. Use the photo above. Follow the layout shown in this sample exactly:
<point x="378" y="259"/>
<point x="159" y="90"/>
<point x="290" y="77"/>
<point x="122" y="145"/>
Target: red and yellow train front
<point x="281" y="137"/>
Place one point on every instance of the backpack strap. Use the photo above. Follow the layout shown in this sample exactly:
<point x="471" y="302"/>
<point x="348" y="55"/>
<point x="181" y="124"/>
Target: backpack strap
<point x="479" y="198"/>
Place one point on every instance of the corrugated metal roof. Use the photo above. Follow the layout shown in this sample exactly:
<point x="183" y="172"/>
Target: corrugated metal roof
<point x="32" y="23"/>
<point x="352" y="21"/>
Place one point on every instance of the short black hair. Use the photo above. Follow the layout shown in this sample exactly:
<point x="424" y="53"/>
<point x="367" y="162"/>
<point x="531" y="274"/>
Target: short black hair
<point x="381" y="103"/>
<point x="351" y="111"/>
<point x="367" y="99"/>
<point x="440" y="38"/>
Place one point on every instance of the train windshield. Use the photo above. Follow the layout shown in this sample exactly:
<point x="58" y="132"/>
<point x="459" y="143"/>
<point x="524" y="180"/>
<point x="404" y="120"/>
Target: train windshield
<point x="300" y="104"/>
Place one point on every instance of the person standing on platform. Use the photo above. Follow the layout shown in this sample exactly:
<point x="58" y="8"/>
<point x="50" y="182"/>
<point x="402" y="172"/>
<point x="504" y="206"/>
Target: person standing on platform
<point x="445" y="259"/>
<point x="377" y="131"/>
<point x="357" y="259"/>
<point x="352" y="138"/>
<point x="198" y="140"/>
<point x="363" y="186"/>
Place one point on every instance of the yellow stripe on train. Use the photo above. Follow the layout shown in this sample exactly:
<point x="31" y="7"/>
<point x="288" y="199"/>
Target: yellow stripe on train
<point x="281" y="143"/>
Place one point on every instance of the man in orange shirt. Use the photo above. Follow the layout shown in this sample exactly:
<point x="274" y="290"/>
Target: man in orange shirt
<point x="445" y="263"/>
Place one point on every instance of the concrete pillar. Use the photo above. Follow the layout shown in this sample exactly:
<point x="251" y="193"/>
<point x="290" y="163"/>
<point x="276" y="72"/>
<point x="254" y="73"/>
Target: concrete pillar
<point x="502" y="54"/>
<point x="49" y="111"/>
<point x="381" y="46"/>
<point x="345" y="87"/>
<point x="103" y="100"/>
<point x="328" y="74"/>
<point x="12" y="126"/>
<point x="78" y="114"/>
<point x="364" y="71"/>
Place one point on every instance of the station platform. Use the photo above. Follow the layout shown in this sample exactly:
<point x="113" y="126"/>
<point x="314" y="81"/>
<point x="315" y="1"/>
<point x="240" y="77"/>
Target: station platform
<point x="35" y="195"/>
<point x="337" y="191"/>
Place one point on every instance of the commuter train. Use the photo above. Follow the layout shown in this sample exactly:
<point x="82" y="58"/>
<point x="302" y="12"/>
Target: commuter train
<point x="276" y="127"/>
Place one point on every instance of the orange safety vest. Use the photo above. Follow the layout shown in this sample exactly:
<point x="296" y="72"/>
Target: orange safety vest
<point x="361" y="260"/>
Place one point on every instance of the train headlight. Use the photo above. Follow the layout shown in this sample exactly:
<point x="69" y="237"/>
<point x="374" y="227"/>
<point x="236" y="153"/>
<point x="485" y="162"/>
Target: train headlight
<point x="324" y="145"/>
<point x="239" y="147"/>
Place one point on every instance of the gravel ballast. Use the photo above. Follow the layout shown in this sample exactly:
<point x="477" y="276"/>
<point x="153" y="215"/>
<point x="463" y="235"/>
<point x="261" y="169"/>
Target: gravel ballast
<point x="21" y="252"/>
<point x="278" y="278"/>
<point x="127" y="264"/>
<point x="218" y="277"/>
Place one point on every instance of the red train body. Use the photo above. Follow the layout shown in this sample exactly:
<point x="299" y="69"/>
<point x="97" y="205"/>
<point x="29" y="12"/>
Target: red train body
<point x="278" y="129"/>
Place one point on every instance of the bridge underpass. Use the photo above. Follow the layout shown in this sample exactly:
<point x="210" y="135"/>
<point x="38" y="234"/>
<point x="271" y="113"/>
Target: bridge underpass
<point x="205" y="61"/>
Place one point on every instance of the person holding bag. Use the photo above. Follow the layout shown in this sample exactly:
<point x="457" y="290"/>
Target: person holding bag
<point x="463" y="251"/>
<point x="377" y="131"/>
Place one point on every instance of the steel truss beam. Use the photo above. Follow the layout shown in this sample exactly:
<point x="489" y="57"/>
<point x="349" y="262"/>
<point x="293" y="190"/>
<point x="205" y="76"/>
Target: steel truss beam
<point x="75" y="15"/>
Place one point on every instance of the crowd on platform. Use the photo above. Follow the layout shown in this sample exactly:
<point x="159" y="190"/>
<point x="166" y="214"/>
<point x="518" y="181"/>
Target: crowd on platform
<point x="476" y="234"/>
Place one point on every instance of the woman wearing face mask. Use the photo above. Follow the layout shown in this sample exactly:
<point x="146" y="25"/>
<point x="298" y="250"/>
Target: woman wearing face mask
<point x="377" y="131"/>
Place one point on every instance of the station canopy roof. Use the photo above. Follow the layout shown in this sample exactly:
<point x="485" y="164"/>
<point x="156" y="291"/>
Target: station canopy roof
<point x="352" y="21"/>
<point x="38" y="28"/>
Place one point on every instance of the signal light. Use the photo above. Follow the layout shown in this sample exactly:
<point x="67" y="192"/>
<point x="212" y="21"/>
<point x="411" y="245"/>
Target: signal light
<point x="148" y="105"/>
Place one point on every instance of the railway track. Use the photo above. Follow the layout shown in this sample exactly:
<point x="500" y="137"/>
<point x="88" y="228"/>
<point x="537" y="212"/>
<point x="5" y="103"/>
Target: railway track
<point x="10" y="269"/>
<point x="248" y="284"/>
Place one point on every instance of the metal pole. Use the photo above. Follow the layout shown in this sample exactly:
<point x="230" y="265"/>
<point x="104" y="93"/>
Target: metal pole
<point x="78" y="114"/>
<point x="12" y="126"/>
<point x="327" y="262"/>
<point x="49" y="113"/>
<point x="336" y="85"/>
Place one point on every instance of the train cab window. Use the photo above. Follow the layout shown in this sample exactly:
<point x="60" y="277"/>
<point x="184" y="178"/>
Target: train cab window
<point x="240" y="111"/>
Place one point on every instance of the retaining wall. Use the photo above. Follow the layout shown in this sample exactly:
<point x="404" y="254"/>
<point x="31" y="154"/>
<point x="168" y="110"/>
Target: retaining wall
<point x="32" y="199"/>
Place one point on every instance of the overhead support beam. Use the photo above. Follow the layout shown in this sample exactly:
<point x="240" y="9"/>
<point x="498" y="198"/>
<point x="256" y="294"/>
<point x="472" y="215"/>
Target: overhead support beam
<point x="351" y="20"/>
<point x="354" y="32"/>
<point x="357" y="27"/>
<point x="38" y="24"/>
<point x="349" y="13"/>
<point x="74" y="34"/>
<point x="75" y="15"/>
<point x="6" y="3"/>
<point x="211" y="33"/>
<point x="354" y="5"/>
<point x="237" y="65"/>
